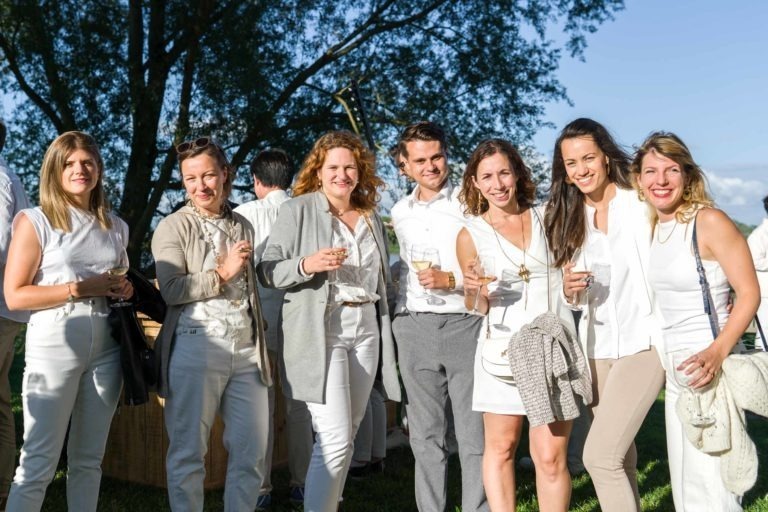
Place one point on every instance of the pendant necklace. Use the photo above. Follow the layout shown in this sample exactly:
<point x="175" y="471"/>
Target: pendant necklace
<point x="522" y="270"/>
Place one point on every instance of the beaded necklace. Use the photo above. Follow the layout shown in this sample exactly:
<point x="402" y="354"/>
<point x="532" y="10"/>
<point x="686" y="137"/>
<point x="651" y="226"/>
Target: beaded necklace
<point x="241" y="281"/>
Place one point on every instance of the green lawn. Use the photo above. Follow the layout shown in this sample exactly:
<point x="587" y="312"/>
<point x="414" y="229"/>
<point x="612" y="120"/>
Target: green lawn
<point x="393" y="490"/>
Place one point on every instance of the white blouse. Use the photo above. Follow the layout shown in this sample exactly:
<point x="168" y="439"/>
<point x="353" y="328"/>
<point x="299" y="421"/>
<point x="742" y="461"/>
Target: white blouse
<point x="358" y="277"/>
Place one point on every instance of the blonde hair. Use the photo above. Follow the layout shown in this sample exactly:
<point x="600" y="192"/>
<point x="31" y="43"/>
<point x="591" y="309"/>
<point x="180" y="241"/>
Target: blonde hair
<point x="669" y="145"/>
<point x="364" y="196"/>
<point x="54" y="200"/>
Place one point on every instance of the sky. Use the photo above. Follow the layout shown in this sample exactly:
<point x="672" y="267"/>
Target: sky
<point x="695" y="68"/>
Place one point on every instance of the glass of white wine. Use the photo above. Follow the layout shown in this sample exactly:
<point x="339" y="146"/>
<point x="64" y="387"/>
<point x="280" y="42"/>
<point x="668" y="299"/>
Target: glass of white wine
<point x="120" y="269"/>
<point x="699" y="418"/>
<point x="423" y="257"/>
<point x="485" y="267"/>
<point x="342" y="246"/>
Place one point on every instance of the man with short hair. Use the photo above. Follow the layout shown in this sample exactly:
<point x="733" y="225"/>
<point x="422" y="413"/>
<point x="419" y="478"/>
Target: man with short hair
<point x="12" y="200"/>
<point x="435" y="334"/>
<point x="273" y="173"/>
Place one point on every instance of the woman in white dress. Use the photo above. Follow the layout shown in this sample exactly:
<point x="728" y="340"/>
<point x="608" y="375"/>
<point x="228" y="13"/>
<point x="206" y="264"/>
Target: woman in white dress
<point x="498" y="195"/>
<point x="669" y="179"/>
<point x="58" y="267"/>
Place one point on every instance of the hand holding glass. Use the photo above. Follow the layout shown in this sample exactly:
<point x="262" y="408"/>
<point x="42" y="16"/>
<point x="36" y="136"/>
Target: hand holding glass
<point x="120" y="269"/>
<point x="485" y="267"/>
<point x="424" y="257"/>
<point x="683" y="379"/>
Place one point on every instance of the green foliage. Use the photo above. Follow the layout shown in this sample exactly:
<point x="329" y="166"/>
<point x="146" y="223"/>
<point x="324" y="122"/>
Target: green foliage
<point x="142" y="76"/>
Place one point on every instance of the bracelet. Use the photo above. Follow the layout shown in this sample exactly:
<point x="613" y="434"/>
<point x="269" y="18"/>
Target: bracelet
<point x="451" y="281"/>
<point x="70" y="297"/>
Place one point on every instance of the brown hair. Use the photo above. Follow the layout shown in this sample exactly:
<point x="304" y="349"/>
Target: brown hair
<point x="525" y="189"/>
<point x="564" y="220"/>
<point x="364" y="196"/>
<point x="54" y="201"/>
<point x="669" y="145"/>
<point x="422" y="130"/>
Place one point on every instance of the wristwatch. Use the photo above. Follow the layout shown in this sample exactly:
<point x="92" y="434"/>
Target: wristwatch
<point x="451" y="281"/>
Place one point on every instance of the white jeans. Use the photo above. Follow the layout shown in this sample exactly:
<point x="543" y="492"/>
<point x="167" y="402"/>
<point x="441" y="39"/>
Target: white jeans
<point x="209" y="374"/>
<point x="352" y="355"/>
<point x="695" y="475"/>
<point x="72" y="368"/>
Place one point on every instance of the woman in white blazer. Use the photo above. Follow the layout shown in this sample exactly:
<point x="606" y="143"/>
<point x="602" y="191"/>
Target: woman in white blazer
<point x="328" y="251"/>
<point x="593" y="223"/>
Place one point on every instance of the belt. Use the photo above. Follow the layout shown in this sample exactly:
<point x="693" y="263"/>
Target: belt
<point x="352" y="304"/>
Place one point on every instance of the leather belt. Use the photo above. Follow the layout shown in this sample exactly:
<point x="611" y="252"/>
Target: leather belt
<point x="356" y="304"/>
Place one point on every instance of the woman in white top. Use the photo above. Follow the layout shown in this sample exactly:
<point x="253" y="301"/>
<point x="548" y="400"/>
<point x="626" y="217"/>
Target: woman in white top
<point x="328" y="251"/>
<point x="212" y="346"/>
<point x="57" y="267"/>
<point x="594" y="225"/>
<point x="669" y="179"/>
<point x="498" y="195"/>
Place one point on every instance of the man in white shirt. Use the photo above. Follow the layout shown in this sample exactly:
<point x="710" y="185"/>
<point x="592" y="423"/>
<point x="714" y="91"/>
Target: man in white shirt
<point x="758" y="245"/>
<point x="12" y="199"/>
<point x="436" y="336"/>
<point x="273" y="173"/>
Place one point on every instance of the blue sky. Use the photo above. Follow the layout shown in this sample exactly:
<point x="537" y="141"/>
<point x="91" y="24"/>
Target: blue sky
<point x="696" y="68"/>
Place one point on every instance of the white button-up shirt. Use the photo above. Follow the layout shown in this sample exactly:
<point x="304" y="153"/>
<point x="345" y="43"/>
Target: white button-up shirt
<point x="758" y="246"/>
<point x="262" y="214"/>
<point x="435" y="223"/>
<point x="12" y="201"/>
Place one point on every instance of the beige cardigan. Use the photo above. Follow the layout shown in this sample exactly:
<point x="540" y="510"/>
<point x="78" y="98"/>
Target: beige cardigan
<point x="179" y="249"/>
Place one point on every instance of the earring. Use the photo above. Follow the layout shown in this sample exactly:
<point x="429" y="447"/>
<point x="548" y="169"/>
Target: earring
<point x="607" y="167"/>
<point x="640" y="195"/>
<point x="687" y="193"/>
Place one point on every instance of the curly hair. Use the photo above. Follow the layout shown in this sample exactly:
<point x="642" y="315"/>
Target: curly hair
<point x="525" y="189"/>
<point x="564" y="220"/>
<point x="696" y="190"/>
<point x="54" y="200"/>
<point x="364" y="196"/>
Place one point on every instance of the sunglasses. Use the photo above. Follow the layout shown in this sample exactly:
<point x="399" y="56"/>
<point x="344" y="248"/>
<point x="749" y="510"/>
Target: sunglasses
<point x="191" y="145"/>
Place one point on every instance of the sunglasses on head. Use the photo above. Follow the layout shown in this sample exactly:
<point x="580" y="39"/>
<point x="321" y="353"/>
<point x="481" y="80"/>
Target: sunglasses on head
<point x="191" y="145"/>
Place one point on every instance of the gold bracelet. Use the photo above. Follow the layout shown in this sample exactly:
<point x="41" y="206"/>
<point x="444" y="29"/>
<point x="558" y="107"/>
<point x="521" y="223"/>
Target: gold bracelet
<point x="70" y="297"/>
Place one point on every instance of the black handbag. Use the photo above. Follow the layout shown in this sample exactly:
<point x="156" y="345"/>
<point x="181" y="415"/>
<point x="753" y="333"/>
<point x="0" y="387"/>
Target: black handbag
<point x="137" y="358"/>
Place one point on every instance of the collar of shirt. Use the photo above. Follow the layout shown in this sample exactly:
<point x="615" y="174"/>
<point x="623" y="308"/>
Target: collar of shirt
<point x="445" y="193"/>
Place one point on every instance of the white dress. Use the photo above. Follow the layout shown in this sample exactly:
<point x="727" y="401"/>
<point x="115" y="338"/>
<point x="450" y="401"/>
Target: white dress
<point x="513" y="303"/>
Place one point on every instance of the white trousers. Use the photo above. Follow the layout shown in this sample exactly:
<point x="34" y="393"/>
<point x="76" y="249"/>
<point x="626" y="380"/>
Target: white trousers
<point x="695" y="475"/>
<point x="298" y="432"/>
<point x="352" y="355"/>
<point x="72" y="369"/>
<point x="209" y="374"/>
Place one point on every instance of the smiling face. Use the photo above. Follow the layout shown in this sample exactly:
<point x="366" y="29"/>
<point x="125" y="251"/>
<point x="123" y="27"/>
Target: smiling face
<point x="586" y="166"/>
<point x="80" y="176"/>
<point x="204" y="181"/>
<point x="338" y="175"/>
<point x="496" y="181"/>
<point x="427" y="165"/>
<point x="662" y="181"/>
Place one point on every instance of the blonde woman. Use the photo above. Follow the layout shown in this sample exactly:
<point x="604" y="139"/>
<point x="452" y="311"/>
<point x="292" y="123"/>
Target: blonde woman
<point x="669" y="179"/>
<point x="57" y="267"/>
<point x="328" y="251"/>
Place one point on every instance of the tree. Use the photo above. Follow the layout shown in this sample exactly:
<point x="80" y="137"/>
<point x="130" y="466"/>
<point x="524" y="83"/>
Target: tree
<point x="144" y="75"/>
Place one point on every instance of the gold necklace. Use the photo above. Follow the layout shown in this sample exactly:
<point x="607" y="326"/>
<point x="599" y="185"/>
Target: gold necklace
<point x="658" y="232"/>
<point x="522" y="270"/>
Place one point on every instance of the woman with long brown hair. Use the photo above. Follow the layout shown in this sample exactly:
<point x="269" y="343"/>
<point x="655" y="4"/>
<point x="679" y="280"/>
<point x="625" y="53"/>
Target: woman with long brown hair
<point x="328" y="251"/>
<point x="595" y="228"/>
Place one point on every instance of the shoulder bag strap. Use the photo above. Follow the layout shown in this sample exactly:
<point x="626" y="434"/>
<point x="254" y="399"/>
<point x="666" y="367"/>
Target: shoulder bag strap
<point x="709" y="305"/>
<point x="546" y="248"/>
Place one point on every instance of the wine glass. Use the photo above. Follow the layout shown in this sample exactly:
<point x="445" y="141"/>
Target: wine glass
<point x="423" y="257"/>
<point x="120" y="268"/>
<point x="485" y="267"/>
<point x="343" y="246"/>
<point x="699" y="419"/>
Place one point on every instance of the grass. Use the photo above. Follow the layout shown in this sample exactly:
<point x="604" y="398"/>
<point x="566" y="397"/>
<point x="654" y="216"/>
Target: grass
<point x="392" y="491"/>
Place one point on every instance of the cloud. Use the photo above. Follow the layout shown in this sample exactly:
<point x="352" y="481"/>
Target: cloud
<point x="738" y="192"/>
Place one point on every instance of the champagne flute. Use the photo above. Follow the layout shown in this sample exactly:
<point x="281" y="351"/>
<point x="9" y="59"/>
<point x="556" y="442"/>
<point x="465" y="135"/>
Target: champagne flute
<point x="699" y="419"/>
<point x="120" y="268"/>
<point x="343" y="246"/>
<point x="424" y="257"/>
<point x="485" y="267"/>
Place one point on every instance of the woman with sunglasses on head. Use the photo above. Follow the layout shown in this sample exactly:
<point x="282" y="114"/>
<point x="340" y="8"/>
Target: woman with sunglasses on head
<point x="674" y="185"/>
<point x="328" y="251"/>
<point x="498" y="195"/>
<point x="595" y="228"/>
<point x="211" y="345"/>
<point x="59" y="268"/>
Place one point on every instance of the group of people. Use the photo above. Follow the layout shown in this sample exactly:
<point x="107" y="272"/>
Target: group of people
<point x="295" y="287"/>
